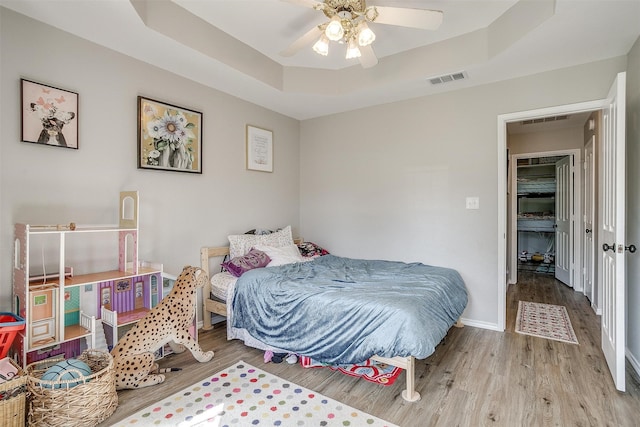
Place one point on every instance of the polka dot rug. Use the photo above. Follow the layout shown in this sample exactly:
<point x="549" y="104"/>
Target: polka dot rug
<point x="243" y="395"/>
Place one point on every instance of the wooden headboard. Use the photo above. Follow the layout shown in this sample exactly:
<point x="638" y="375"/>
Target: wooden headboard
<point x="212" y="305"/>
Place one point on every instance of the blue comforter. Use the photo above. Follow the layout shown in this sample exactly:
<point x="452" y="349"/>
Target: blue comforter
<point x="341" y="310"/>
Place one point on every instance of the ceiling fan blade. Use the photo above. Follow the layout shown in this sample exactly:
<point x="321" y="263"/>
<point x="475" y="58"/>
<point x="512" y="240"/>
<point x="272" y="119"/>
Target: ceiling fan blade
<point x="307" y="3"/>
<point x="408" y="17"/>
<point x="367" y="57"/>
<point x="306" y="39"/>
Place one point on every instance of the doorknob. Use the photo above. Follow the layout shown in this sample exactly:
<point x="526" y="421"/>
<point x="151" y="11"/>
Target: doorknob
<point x="588" y="230"/>
<point x="606" y="247"/>
<point x="630" y="248"/>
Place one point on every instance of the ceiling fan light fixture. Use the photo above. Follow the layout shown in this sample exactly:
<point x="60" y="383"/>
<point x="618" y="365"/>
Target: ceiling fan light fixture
<point x="321" y="47"/>
<point x="371" y="13"/>
<point x="352" y="50"/>
<point x="334" y="30"/>
<point x="365" y="35"/>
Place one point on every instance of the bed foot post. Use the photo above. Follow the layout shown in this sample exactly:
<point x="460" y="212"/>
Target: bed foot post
<point x="459" y="324"/>
<point x="206" y="290"/>
<point x="414" y="397"/>
<point x="206" y="321"/>
<point x="410" y="394"/>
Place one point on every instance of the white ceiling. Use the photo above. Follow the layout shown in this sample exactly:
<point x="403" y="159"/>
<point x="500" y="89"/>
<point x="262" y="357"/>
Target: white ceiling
<point x="490" y="40"/>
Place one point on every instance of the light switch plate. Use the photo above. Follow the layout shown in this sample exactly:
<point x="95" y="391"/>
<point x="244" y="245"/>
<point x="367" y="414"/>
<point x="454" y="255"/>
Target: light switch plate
<point x="473" y="202"/>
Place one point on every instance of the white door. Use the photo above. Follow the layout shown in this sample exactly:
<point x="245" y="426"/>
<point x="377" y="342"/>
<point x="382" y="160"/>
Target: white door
<point x="612" y="232"/>
<point x="564" y="220"/>
<point x="589" y="215"/>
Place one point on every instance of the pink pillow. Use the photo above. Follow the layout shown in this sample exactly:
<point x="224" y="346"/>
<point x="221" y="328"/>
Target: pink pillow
<point x="241" y="264"/>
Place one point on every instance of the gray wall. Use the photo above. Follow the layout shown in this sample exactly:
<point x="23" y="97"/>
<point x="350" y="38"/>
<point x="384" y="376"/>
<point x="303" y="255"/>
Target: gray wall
<point x="179" y="212"/>
<point x="633" y="204"/>
<point x="391" y="181"/>
<point x="547" y="140"/>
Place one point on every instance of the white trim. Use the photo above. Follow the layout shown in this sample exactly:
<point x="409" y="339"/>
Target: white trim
<point x="503" y="119"/>
<point x="635" y="364"/>
<point x="480" y="324"/>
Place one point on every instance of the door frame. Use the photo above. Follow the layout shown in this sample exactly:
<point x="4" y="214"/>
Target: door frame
<point x="502" y="121"/>
<point x="576" y="183"/>
<point x="589" y="189"/>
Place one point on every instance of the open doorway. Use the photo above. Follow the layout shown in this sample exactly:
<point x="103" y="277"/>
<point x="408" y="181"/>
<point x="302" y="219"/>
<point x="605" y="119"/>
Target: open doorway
<point x="508" y="125"/>
<point x="545" y="208"/>
<point x="611" y="209"/>
<point x="542" y="201"/>
<point x="545" y="215"/>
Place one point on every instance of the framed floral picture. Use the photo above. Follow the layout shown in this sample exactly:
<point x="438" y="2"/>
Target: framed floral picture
<point x="123" y="285"/>
<point x="49" y="115"/>
<point x="169" y="137"/>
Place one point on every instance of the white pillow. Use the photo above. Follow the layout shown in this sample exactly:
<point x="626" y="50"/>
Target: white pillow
<point x="240" y="244"/>
<point x="282" y="255"/>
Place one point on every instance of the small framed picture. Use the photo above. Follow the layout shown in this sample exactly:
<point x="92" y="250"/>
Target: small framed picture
<point x="139" y="288"/>
<point x="123" y="285"/>
<point x="259" y="149"/>
<point x="39" y="299"/>
<point x="105" y="294"/>
<point x="169" y="137"/>
<point x="49" y="115"/>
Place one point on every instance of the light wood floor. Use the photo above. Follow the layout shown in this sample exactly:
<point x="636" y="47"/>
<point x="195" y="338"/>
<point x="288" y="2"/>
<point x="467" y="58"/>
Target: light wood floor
<point x="476" y="377"/>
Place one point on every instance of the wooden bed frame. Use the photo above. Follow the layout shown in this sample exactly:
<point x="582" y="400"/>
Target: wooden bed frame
<point x="218" y="307"/>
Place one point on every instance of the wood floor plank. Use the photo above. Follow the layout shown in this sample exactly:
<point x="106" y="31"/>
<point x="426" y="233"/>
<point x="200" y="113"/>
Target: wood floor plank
<point x="476" y="377"/>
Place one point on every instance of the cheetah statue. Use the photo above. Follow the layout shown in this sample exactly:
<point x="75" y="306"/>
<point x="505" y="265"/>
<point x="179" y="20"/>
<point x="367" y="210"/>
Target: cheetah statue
<point x="166" y="323"/>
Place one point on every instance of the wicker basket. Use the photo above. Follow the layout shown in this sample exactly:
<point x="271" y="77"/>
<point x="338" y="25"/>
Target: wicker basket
<point x="12" y="400"/>
<point x="86" y="404"/>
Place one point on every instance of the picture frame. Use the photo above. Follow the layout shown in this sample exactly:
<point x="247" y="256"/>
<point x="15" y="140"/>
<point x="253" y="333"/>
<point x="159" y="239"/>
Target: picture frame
<point x="49" y="115"/>
<point x="39" y="299"/>
<point x="169" y="137"/>
<point x="105" y="297"/>
<point x="139" y="289"/>
<point x="123" y="285"/>
<point x="259" y="149"/>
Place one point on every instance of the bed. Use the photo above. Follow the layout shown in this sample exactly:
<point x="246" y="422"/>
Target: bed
<point x="336" y="310"/>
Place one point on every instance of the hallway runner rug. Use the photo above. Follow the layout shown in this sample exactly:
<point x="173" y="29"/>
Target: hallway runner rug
<point x="545" y="321"/>
<point x="243" y="395"/>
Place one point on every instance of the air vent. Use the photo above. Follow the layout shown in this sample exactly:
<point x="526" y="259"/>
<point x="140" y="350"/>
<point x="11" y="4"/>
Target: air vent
<point x="448" y="78"/>
<point x="545" y="120"/>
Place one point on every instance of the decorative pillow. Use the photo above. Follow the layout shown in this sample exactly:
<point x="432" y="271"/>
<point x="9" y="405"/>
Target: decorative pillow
<point x="240" y="244"/>
<point x="241" y="264"/>
<point x="309" y="249"/>
<point x="282" y="255"/>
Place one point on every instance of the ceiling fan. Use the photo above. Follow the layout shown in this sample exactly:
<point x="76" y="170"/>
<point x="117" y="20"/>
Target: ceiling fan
<point x="348" y="24"/>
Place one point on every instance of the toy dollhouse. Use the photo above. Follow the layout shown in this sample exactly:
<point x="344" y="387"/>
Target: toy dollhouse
<point x="66" y="313"/>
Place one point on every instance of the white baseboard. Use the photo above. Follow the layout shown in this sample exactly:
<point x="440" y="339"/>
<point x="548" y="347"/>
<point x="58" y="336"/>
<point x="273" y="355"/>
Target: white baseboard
<point x="481" y="324"/>
<point x="633" y="361"/>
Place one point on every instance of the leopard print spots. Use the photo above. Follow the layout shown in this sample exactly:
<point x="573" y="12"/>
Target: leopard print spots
<point x="169" y="321"/>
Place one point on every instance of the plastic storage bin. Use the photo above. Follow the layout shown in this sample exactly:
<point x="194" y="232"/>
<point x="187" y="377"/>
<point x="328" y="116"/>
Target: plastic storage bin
<point x="10" y="325"/>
